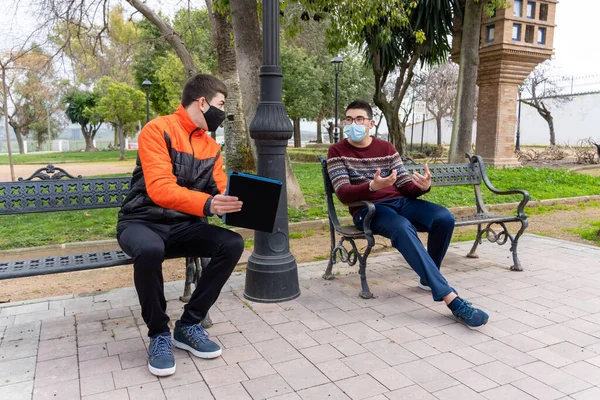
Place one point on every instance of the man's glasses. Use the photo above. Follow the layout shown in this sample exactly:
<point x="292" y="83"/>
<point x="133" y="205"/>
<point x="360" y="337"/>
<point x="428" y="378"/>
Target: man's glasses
<point x="359" y="120"/>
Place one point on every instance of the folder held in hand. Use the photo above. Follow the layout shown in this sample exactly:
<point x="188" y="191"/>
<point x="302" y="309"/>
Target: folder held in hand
<point x="260" y="196"/>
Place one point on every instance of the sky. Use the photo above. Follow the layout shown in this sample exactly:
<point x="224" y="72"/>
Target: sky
<point x="577" y="48"/>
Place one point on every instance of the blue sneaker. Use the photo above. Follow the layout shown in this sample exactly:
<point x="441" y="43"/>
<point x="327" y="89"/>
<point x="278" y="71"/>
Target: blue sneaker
<point x="465" y="312"/>
<point x="160" y="355"/>
<point x="194" y="339"/>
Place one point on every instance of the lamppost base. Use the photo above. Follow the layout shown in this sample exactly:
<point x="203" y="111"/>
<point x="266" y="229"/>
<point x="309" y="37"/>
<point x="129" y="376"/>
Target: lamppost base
<point x="271" y="279"/>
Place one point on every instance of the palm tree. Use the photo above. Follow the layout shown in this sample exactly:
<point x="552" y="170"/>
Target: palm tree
<point x="399" y="56"/>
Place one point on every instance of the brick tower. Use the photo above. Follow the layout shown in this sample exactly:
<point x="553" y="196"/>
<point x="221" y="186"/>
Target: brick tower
<point x="513" y="42"/>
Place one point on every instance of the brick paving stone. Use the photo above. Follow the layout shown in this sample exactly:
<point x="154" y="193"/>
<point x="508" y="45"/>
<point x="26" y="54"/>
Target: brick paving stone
<point x="91" y="326"/>
<point x="391" y="378"/>
<point x="132" y="376"/>
<point x="364" y="363"/>
<point x="327" y="391"/>
<point x="186" y="373"/>
<point x="67" y="390"/>
<point x="427" y="376"/>
<point x="348" y="347"/>
<point x="277" y="350"/>
<point x="222" y="329"/>
<point x="420" y="349"/>
<point x="473" y="355"/>
<point x="57" y="348"/>
<point x="506" y="392"/>
<point x="449" y="362"/>
<point x="474" y="380"/>
<point x="222" y="376"/>
<point x="144" y="391"/>
<point x="97" y="384"/>
<point x="361" y="387"/>
<point x="335" y="317"/>
<point x="125" y="346"/>
<point x="322" y="353"/>
<point x="55" y="371"/>
<point x="502" y="352"/>
<point x="461" y="392"/>
<point x="522" y="343"/>
<point x="390" y="352"/>
<point x="444" y="343"/>
<point x="499" y="372"/>
<point x="537" y="389"/>
<point x="193" y="391"/>
<point x="99" y="366"/>
<point x="231" y="392"/>
<point x="292" y="328"/>
<point x="14" y="371"/>
<point x="23" y="331"/>
<point x="241" y="353"/>
<point x="90" y="338"/>
<point x="15" y="349"/>
<point x="257" y="332"/>
<point x="588" y="394"/>
<point x="233" y="340"/>
<point x="585" y="371"/>
<point x="335" y="370"/>
<point x="24" y="309"/>
<point x="206" y="364"/>
<point x="267" y="386"/>
<point x="17" y="391"/>
<point x="257" y="368"/>
<point x="92" y="352"/>
<point x="300" y="374"/>
<point x="315" y="324"/>
<point x="301" y="341"/>
<point x="413" y="392"/>
<point x="327" y="335"/>
<point x="554" y="377"/>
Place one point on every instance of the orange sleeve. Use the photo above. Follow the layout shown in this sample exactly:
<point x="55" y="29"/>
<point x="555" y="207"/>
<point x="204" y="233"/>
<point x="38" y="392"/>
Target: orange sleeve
<point x="161" y="184"/>
<point x="219" y="174"/>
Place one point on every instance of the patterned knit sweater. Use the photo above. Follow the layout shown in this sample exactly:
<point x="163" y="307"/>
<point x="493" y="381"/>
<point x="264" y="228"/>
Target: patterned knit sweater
<point x="352" y="168"/>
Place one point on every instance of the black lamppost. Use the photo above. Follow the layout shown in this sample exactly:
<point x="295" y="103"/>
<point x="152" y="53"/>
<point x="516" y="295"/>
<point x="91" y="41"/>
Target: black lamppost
<point x="337" y="63"/>
<point x="146" y="86"/>
<point x="518" y="143"/>
<point x="271" y="272"/>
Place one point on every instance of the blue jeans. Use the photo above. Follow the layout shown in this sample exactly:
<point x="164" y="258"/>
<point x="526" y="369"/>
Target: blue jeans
<point x="399" y="220"/>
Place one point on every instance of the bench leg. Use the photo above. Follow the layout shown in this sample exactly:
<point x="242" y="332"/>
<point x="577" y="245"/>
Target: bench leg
<point x="513" y="247"/>
<point x="328" y="275"/>
<point x="365" y="292"/>
<point x="193" y="270"/>
<point x="473" y="252"/>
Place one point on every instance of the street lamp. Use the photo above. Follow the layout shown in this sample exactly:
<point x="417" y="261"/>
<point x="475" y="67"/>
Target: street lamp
<point x="337" y="63"/>
<point x="146" y="85"/>
<point x="271" y="272"/>
<point x="518" y="143"/>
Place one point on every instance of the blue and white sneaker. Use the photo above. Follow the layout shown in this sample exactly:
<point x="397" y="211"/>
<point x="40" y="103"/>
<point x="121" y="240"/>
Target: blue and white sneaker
<point x="160" y="355"/>
<point x="194" y="339"/>
<point x="465" y="312"/>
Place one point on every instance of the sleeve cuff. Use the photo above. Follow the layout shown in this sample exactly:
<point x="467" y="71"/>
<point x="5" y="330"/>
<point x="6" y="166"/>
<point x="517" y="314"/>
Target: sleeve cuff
<point x="207" y="207"/>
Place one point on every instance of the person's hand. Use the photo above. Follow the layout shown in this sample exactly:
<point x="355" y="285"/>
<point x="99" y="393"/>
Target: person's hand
<point x="380" y="183"/>
<point x="222" y="204"/>
<point x="423" y="181"/>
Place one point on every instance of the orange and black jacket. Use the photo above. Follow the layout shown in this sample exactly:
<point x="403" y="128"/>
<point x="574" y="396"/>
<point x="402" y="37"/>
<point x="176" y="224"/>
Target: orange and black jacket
<point x="179" y="168"/>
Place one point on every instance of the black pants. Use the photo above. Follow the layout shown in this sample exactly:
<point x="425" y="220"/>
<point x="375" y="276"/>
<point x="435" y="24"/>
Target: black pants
<point x="149" y="243"/>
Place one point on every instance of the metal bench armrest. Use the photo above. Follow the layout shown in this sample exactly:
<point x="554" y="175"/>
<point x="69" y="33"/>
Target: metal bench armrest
<point x="368" y="217"/>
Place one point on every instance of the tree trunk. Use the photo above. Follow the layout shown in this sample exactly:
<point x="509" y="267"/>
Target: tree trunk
<point x="466" y="93"/>
<point x="121" y="142"/>
<point x="319" y="130"/>
<point x="117" y="141"/>
<point x="237" y="147"/>
<point x="396" y="131"/>
<point x="248" y="51"/>
<point x="438" y="124"/>
<point x="169" y="34"/>
<point x="550" y="120"/>
<point x="89" y="140"/>
<point x="20" y="140"/>
<point x="297" y="135"/>
<point x="330" y="132"/>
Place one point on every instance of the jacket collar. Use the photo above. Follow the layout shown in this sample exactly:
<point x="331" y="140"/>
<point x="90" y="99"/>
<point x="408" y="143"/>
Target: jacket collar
<point x="186" y="122"/>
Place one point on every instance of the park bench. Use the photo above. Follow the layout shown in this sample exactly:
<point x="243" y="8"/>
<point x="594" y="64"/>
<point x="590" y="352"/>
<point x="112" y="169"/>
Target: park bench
<point x="52" y="189"/>
<point x="471" y="173"/>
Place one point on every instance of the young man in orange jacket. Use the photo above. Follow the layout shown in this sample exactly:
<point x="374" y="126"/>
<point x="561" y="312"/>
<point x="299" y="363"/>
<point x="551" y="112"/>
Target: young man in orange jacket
<point x="179" y="180"/>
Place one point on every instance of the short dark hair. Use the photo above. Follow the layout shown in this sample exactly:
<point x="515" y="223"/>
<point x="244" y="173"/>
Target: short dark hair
<point x="202" y="85"/>
<point x="361" y="105"/>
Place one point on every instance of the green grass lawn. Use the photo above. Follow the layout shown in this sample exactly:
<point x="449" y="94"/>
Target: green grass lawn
<point x="66" y="157"/>
<point x="60" y="227"/>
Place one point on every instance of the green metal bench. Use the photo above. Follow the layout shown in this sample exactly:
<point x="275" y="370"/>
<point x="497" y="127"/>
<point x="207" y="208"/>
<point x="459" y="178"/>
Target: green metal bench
<point x="52" y="189"/>
<point x="473" y="173"/>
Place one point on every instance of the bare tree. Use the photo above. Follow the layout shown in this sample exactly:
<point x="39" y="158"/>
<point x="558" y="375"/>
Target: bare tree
<point x="544" y="93"/>
<point x="437" y="88"/>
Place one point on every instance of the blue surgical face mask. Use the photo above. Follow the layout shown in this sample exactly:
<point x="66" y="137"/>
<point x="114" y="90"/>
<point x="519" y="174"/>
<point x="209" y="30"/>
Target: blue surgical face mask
<point x="355" y="132"/>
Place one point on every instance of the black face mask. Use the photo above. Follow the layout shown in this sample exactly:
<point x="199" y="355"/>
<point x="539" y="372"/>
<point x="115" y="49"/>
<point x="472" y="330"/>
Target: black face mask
<point x="214" y="118"/>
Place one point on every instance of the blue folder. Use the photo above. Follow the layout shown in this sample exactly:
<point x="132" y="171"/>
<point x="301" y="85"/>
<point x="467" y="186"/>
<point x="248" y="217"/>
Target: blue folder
<point x="260" y="196"/>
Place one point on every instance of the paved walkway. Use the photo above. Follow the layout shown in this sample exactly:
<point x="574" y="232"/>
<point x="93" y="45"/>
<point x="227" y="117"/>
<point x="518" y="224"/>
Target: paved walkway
<point x="542" y="341"/>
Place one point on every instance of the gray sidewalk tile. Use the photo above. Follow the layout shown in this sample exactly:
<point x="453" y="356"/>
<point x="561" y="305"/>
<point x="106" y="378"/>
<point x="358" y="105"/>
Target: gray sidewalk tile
<point x="390" y="352"/>
<point x="327" y="391"/>
<point x="23" y="331"/>
<point x="502" y="352"/>
<point x="15" y="371"/>
<point x="24" y="309"/>
<point x="257" y="332"/>
<point x="56" y="348"/>
<point x="461" y="392"/>
<point x="67" y="390"/>
<point x="17" y="391"/>
<point x="427" y="376"/>
<point x="97" y="384"/>
<point x="238" y="354"/>
<point x="474" y="380"/>
<point x="193" y="391"/>
<point x="186" y="374"/>
<point x="145" y="391"/>
<point x="322" y="353"/>
<point x="499" y="372"/>
<point x="15" y="349"/>
<point x="506" y="392"/>
<point x="391" y="378"/>
<point x="413" y="392"/>
<point x="335" y="370"/>
<point x="257" y="368"/>
<point x="277" y="350"/>
<point x="588" y="394"/>
<point x="98" y="366"/>
<point x="92" y="352"/>
<point x="132" y="376"/>
<point x="231" y="392"/>
<point x="55" y="371"/>
<point x="222" y="376"/>
<point x="537" y="389"/>
<point x="361" y="387"/>
<point x="300" y="374"/>
<point x="267" y="387"/>
<point x="554" y="377"/>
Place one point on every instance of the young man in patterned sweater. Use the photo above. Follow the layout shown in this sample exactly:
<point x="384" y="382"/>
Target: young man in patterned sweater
<point x="362" y="167"/>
